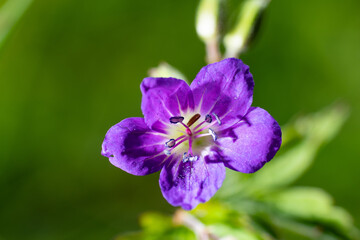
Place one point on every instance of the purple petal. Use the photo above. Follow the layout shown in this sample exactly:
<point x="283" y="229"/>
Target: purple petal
<point x="224" y="88"/>
<point x="187" y="184"/>
<point x="133" y="147"/>
<point x="249" y="144"/>
<point x="164" y="98"/>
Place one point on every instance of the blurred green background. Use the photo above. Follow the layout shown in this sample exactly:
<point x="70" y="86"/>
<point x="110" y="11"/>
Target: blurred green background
<point x="69" y="70"/>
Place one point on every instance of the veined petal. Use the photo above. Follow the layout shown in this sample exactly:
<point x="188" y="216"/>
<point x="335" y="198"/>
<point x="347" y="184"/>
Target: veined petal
<point x="187" y="184"/>
<point x="133" y="147"/>
<point x="164" y="98"/>
<point x="249" y="144"/>
<point x="224" y="88"/>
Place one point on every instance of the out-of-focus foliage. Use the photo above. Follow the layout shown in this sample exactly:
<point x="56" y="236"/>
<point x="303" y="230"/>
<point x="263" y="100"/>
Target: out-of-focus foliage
<point x="158" y="226"/>
<point x="10" y="12"/>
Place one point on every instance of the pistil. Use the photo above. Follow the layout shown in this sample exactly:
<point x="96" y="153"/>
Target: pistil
<point x="190" y="145"/>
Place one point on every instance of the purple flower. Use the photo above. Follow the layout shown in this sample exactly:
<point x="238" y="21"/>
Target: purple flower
<point x="191" y="133"/>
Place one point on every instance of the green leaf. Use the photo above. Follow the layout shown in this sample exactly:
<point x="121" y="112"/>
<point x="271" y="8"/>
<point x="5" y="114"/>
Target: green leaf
<point x="212" y="212"/>
<point x="228" y="232"/>
<point x="155" y="222"/>
<point x="283" y="170"/>
<point x="157" y="226"/>
<point x="294" y="230"/>
<point x="304" y="202"/>
<point x="312" y="205"/>
<point x="223" y="221"/>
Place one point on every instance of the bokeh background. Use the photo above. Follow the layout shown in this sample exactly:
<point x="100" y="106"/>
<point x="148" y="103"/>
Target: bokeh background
<point x="70" y="69"/>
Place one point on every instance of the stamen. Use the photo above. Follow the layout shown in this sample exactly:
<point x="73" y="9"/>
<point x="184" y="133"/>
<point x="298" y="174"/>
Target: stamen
<point x="213" y="134"/>
<point x="170" y="143"/>
<point x="217" y="118"/>
<point x="189" y="158"/>
<point x="185" y="157"/>
<point x="178" y="143"/>
<point x="180" y="137"/>
<point x="206" y="127"/>
<point x="176" y="119"/>
<point x="208" y="118"/>
<point x="167" y="152"/>
<point x="199" y="125"/>
<point x="193" y="119"/>
<point x="202" y="135"/>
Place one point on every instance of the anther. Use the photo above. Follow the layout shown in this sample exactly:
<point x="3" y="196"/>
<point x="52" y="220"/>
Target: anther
<point x="208" y="118"/>
<point x="167" y="152"/>
<point x="213" y="134"/>
<point x="176" y="119"/>
<point x="193" y="119"/>
<point x="170" y="143"/>
<point x="185" y="157"/>
<point x="189" y="158"/>
<point x="193" y="159"/>
<point x="217" y="118"/>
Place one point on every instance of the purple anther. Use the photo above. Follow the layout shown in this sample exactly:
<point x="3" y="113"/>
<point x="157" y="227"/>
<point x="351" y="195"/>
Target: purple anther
<point x="208" y="118"/>
<point x="185" y="157"/>
<point x="170" y="143"/>
<point x="176" y="119"/>
<point x="189" y="158"/>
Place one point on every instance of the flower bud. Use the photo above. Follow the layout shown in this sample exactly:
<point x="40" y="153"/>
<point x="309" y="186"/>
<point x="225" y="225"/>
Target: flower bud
<point x="237" y="38"/>
<point x="166" y="70"/>
<point x="207" y="19"/>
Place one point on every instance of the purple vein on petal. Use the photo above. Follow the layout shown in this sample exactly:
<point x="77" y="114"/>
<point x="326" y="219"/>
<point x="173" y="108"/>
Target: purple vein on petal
<point x="143" y="146"/>
<point x="179" y="105"/>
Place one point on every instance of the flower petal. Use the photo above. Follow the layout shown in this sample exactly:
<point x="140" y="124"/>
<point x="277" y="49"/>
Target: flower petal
<point x="224" y="88"/>
<point x="133" y="147"/>
<point x="252" y="142"/>
<point x="164" y="98"/>
<point x="187" y="184"/>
